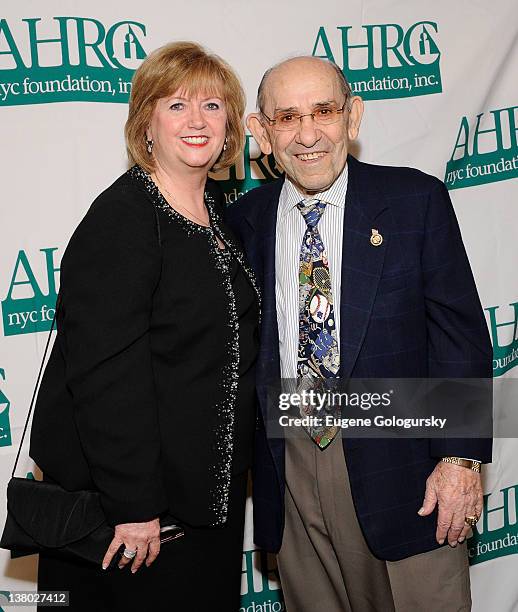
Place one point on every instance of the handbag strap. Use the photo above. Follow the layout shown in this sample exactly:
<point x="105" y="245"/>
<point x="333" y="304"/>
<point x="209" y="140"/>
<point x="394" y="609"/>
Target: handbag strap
<point x="36" y="386"/>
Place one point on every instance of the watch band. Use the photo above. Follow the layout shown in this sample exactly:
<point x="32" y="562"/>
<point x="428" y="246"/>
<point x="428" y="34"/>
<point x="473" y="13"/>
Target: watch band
<point x="467" y="463"/>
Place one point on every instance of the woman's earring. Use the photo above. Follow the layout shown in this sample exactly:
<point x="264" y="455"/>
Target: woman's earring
<point x="150" y="144"/>
<point x="225" y="144"/>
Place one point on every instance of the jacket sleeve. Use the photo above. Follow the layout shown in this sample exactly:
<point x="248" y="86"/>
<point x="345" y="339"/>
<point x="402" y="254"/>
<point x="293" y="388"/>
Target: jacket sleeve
<point x="458" y="340"/>
<point x="109" y="273"/>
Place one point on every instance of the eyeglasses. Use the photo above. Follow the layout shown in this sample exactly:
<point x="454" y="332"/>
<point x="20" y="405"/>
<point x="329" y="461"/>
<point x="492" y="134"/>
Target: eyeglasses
<point x="288" y="120"/>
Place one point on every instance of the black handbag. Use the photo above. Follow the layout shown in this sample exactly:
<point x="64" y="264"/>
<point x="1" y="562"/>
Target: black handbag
<point x="43" y="516"/>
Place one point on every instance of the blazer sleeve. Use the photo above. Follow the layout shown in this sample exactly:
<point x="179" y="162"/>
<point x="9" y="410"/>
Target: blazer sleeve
<point x="459" y="345"/>
<point x="109" y="273"/>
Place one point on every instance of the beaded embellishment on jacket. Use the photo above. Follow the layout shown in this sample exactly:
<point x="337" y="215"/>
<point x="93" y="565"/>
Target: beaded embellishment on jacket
<point x="221" y="470"/>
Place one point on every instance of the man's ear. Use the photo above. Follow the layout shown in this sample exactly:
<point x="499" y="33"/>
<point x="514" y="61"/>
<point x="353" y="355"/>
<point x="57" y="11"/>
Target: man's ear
<point x="355" y="117"/>
<point x="259" y="132"/>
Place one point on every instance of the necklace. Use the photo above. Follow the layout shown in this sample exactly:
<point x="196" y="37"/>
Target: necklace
<point x="177" y="205"/>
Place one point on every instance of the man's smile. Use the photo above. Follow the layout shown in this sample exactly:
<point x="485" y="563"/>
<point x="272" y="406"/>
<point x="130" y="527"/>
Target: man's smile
<point x="311" y="157"/>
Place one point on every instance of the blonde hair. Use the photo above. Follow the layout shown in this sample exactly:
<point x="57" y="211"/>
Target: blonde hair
<point x="189" y="67"/>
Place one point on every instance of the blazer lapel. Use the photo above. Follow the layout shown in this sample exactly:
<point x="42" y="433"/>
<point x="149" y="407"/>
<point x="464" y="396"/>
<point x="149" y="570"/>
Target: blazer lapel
<point x="362" y="262"/>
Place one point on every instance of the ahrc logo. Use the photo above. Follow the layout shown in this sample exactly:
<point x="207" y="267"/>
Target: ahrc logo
<point x="30" y="310"/>
<point x="68" y="58"/>
<point x="496" y="534"/>
<point x="247" y="173"/>
<point x="389" y="62"/>
<point x="5" y="426"/>
<point x="505" y="338"/>
<point x="258" y="594"/>
<point x="486" y="152"/>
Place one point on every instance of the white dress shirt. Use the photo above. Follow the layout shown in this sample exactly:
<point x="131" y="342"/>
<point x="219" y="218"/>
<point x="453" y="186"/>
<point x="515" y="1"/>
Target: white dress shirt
<point x="289" y="234"/>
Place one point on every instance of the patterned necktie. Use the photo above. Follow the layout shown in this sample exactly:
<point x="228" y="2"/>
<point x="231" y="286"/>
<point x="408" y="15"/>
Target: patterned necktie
<point x="318" y="356"/>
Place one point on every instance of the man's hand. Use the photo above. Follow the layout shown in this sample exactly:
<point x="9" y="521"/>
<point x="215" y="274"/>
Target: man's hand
<point x="458" y="493"/>
<point x="144" y="538"/>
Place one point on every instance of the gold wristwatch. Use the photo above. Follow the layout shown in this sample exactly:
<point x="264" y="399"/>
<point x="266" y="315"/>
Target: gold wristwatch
<point x="467" y="463"/>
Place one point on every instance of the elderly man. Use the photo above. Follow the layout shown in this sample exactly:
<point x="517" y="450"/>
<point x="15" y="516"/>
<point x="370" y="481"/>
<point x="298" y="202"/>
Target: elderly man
<point x="358" y="524"/>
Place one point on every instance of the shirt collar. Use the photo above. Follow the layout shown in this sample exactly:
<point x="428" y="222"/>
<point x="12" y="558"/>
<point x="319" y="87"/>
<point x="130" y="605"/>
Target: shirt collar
<point x="290" y="196"/>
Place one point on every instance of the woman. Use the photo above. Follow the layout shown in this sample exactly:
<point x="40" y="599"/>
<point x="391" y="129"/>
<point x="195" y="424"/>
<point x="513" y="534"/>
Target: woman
<point x="149" y="394"/>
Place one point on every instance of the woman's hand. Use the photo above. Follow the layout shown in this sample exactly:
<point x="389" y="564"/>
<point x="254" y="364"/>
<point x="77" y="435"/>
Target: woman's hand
<point x="141" y="537"/>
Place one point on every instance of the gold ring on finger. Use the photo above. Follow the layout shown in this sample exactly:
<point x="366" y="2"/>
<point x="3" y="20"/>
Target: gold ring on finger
<point x="471" y="520"/>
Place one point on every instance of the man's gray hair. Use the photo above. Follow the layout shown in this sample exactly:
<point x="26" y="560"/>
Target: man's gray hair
<point x="344" y="83"/>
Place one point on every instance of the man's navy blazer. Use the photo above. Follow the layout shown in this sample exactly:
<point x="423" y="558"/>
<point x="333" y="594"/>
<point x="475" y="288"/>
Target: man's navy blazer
<point x="409" y="308"/>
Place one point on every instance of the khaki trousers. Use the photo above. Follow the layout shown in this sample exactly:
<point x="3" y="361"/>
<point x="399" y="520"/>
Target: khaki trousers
<point x="325" y="564"/>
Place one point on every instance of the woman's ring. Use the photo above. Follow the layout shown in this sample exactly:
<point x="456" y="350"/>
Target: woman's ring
<point x="129" y="554"/>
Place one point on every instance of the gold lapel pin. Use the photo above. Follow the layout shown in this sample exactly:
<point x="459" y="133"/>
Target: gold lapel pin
<point x="376" y="238"/>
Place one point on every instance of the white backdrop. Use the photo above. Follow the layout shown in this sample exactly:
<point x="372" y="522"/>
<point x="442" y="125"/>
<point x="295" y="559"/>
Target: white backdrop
<point x="439" y="80"/>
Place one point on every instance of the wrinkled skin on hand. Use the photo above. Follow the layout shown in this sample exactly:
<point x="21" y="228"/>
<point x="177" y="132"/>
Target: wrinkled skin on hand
<point x="457" y="491"/>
